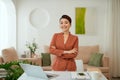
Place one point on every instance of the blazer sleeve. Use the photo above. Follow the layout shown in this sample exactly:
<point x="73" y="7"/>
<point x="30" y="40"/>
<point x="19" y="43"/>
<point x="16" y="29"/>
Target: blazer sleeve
<point x="53" y="49"/>
<point x="72" y="55"/>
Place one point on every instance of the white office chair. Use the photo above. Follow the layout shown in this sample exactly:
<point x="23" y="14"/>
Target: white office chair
<point x="79" y="64"/>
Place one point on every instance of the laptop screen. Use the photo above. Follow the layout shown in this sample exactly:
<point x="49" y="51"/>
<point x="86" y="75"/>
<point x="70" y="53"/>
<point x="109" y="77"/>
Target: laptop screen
<point x="34" y="71"/>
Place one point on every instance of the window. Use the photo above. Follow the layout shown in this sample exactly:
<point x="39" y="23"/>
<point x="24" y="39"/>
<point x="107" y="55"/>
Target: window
<point x="7" y="27"/>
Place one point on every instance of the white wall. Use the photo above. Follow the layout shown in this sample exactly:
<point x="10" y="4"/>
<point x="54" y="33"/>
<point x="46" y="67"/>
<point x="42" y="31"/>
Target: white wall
<point x="56" y="8"/>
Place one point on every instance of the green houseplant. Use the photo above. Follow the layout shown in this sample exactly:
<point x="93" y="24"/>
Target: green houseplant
<point x="13" y="69"/>
<point x="32" y="47"/>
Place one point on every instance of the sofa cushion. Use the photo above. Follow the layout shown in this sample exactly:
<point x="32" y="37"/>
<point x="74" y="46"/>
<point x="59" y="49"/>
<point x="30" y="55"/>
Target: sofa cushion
<point x="46" y="49"/>
<point x="9" y="54"/>
<point x="46" y="59"/>
<point x="96" y="59"/>
<point x="102" y="69"/>
<point x="86" y="51"/>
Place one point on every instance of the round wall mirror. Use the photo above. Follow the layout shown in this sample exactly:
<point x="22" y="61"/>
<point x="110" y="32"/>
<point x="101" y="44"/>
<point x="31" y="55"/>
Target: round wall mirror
<point x="39" y="18"/>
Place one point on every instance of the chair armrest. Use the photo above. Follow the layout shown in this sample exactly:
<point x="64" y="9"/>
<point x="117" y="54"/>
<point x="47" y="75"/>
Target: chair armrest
<point x="105" y="62"/>
<point x="36" y="61"/>
<point x="1" y="59"/>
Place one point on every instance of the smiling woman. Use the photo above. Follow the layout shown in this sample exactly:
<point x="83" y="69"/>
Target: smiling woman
<point x="64" y="45"/>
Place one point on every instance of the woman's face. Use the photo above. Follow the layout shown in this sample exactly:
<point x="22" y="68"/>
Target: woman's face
<point x="64" y="25"/>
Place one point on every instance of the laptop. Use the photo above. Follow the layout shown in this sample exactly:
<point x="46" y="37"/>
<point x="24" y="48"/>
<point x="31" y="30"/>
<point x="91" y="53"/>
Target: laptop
<point x="34" y="72"/>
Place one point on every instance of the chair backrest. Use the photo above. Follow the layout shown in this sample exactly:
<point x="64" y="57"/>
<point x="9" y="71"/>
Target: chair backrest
<point x="79" y="64"/>
<point x="1" y="59"/>
<point x="9" y="54"/>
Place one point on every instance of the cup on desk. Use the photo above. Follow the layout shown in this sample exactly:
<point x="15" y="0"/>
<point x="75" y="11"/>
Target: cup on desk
<point x="95" y="75"/>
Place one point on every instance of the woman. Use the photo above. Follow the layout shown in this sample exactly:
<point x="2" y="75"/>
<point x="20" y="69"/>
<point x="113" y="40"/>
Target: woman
<point x="64" y="46"/>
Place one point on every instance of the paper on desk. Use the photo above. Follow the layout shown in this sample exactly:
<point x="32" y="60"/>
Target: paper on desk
<point x="75" y="76"/>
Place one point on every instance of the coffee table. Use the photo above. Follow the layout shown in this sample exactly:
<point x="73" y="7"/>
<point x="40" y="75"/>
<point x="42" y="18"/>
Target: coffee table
<point x="66" y="75"/>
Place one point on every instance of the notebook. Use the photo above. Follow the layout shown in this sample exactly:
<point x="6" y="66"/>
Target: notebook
<point x="33" y="72"/>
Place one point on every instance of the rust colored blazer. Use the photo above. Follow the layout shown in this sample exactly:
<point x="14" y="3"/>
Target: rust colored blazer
<point x="64" y="61"/>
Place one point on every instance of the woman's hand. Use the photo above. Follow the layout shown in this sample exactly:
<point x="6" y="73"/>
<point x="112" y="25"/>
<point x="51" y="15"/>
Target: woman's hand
<point x="53" y="47"/>
<point x="71" y="51"/>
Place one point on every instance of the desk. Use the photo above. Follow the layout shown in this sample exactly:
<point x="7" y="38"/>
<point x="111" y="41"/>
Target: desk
<point x="66" y="75"/>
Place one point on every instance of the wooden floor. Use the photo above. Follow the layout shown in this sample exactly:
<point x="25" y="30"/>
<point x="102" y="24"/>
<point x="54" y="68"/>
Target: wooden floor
<point x="115" y="78"/>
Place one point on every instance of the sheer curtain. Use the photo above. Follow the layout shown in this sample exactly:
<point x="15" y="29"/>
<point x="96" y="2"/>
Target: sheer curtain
<point x="3" y="26"/>
<point x="7" y="24"/>
<point x="113" y="36"/>
<point x="116" y="38"/>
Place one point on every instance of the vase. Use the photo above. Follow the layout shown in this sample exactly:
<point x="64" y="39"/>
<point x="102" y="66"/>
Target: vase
<point x="33" y="55"/>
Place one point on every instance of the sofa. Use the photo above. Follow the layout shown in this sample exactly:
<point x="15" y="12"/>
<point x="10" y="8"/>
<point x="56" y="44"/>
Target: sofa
<point x="84" y="54"/>
<point x="10" y="54"/>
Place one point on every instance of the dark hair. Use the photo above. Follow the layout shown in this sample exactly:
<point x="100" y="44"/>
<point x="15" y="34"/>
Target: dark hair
<point x="66" y="17"/>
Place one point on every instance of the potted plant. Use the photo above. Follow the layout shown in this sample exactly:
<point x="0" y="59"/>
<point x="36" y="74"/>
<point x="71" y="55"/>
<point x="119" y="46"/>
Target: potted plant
<point x="13" y="69"/>
<point x="32" y="47"/>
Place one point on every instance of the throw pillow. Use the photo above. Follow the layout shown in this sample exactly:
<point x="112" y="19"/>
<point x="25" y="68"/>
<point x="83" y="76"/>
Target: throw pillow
<point x="46" y="60"/>
<point x="96" y="59"/>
